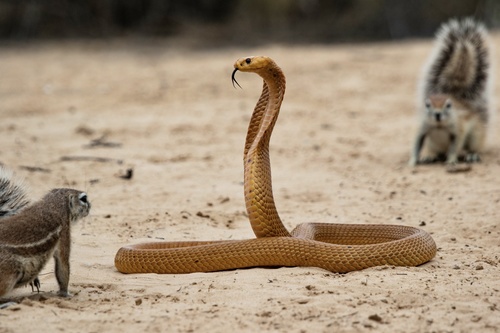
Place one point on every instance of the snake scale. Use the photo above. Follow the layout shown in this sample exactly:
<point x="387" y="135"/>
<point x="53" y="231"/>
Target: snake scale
<point x="334" y="247"/>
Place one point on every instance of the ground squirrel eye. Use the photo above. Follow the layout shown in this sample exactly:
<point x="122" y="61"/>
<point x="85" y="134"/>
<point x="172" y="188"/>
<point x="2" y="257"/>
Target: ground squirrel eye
<point x="427" y="104"/>
<point x="448" y="105"/>
<point x="248" y="60"/>
<point x="83" y="198"/>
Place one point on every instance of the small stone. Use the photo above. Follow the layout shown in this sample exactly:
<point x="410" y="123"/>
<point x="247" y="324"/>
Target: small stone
<point x="13" y="306"/>
<point x="201" y="214"/>
<point x="479" y="267"/>
<point x="375" y="317"/>
<point x="138" y="301"/>
<point x="476" y="318"/>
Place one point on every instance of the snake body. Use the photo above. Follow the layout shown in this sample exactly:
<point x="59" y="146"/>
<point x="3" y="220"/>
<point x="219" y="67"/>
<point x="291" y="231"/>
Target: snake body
<point x="334" y="247"/>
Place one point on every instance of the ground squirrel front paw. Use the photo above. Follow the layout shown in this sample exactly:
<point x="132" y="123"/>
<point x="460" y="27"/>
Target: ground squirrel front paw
<point x="472" y="158"/>
<point x="64" y="293"/>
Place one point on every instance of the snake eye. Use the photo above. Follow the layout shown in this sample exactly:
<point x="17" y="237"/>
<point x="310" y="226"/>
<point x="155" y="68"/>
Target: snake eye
<point x="248" y="60"/>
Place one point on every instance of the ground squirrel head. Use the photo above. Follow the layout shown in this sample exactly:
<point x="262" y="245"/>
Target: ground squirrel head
<point x="438" y="110"/>
<point x="72" y="201"/>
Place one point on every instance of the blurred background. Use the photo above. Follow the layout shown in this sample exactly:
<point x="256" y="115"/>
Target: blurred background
<point x="242" y="21"/>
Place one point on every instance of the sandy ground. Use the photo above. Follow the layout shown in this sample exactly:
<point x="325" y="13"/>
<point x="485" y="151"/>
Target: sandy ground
<point x="339" y="154"/>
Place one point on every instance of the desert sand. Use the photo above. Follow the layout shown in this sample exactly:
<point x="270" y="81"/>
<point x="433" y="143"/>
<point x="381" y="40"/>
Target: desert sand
<point x="80" y="114"/>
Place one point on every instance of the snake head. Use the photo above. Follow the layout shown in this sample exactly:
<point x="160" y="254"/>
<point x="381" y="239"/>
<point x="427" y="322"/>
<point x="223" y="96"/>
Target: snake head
<point x="251" y="64"/>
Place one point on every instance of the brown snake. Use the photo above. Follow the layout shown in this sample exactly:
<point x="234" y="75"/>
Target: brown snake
<point x="334" y="247"/>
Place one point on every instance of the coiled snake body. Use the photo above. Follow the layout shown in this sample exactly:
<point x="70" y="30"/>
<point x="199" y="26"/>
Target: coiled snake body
<point x="334" y="247"/>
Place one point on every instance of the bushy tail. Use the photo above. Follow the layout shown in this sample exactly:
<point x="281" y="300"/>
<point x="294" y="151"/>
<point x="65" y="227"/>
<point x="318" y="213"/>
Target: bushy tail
<point x="460" y="64"/>
<point x="13" y="196"/>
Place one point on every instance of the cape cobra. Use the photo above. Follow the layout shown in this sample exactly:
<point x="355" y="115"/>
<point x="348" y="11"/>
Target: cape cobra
<point x="334" y="247"/>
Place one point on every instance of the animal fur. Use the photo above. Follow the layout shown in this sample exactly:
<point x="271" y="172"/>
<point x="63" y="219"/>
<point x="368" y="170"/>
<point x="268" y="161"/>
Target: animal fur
<point x="458" y="77"/>
<point x="30" y="237"/>
<point x="13" y="196"/>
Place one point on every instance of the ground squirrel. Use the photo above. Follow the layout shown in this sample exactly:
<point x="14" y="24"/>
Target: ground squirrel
<point x="31" y="233"/>
<point x="454" y="97"/>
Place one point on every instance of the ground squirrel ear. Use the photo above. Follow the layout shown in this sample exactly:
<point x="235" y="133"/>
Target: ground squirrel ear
<point x="71" y="204"/>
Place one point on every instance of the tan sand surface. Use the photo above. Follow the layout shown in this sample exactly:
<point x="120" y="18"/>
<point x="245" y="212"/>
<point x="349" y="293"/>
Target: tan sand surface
<point x="339" y="154"/>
